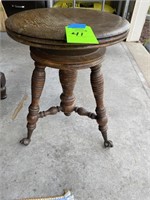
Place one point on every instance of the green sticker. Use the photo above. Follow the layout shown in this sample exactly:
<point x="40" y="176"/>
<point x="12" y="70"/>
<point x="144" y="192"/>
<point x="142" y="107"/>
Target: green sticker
<point x="81" y="35"/>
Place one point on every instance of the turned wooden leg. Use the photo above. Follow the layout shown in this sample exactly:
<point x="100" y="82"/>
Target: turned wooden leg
<point x="38" y="80"/>
<point x="67" y="80"/>
<point x="97" y="83"/>
<point x="2" y="86"/>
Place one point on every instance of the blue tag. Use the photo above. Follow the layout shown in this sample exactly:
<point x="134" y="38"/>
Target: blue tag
<point x="76" y="25"/>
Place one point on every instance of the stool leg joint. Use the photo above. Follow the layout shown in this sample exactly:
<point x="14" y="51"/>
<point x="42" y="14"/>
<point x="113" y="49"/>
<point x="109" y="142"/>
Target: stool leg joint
<point x="83" y="112"/>
<point x="51" y="111"/>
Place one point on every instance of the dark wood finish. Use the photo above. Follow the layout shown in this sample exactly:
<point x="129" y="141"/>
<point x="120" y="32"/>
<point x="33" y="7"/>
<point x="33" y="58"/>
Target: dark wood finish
<point x="54" y="20"/>
<point x="38" y="80"/>
<point x="68" y="59"/>
<point x="44" y="31"/>
<point x="3" y="94"/>
<point x="67" y="63"/>
<point x="97" y="83"/>
<point x="45" y="28"/>
<point x="67" y="80"/>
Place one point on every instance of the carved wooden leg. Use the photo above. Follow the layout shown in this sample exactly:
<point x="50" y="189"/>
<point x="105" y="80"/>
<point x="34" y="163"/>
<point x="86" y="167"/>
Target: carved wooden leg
<point x="67" y="80"/>
<point x="97" y="83"/>
<point x="38" y="80"/>
<point x="2" y="86"/>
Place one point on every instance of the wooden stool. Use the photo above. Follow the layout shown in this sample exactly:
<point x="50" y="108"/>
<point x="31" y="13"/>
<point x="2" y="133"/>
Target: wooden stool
<point x="44" y="31"/>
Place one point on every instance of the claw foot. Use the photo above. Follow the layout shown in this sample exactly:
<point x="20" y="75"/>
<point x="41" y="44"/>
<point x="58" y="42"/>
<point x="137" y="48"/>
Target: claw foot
<point x="25" y="141"/>
<point x="108" y="143"/>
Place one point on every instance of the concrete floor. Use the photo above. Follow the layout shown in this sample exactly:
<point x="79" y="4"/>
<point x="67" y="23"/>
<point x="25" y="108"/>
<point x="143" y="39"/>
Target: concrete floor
<point x="68" y="152"/>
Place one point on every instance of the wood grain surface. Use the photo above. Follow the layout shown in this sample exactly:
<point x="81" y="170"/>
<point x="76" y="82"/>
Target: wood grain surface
<point x="49" y="23"/>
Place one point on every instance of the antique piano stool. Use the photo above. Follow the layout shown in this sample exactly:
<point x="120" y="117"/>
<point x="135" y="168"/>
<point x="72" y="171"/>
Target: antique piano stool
<point x="44" y="31"/>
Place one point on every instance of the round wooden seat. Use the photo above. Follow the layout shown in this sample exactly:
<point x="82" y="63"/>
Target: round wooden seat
<point x="45" y="28"/>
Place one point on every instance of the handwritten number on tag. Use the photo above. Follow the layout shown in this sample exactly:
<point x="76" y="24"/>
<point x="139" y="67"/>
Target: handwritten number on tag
<point x="77" y="33"/>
